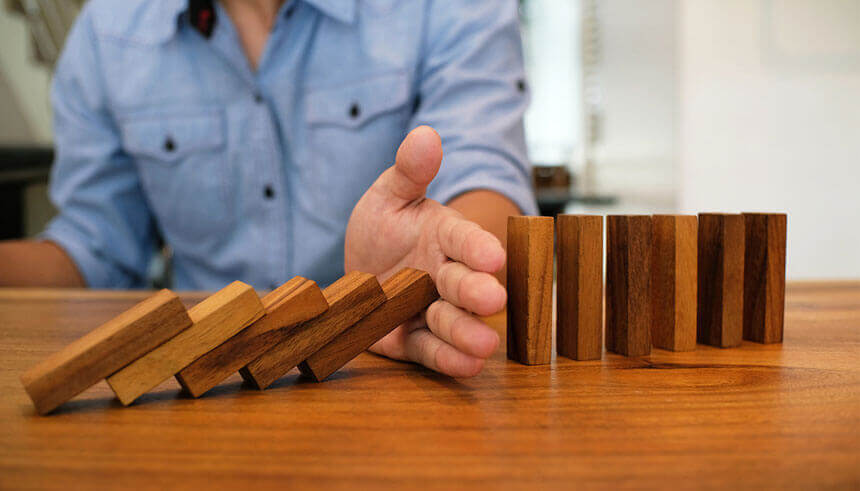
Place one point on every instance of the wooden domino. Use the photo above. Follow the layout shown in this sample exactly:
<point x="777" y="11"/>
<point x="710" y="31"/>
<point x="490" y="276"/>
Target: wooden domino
<point x="215" y="320"/>
<point x="628" y="284"/>
<point x="721" y="278"/>
<point x="350" y="298"/>
<point x="530" y="257"/>
<point x="407" y="293"/>
<point x="105" y="350"/>
<point x="294" y="302"/>
<point x="579" y="298"/>
<point x="673" y="282"/>
<point x="764" y="276"/>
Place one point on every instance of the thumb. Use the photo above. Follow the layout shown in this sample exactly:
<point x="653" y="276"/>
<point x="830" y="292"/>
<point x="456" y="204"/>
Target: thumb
<point x="417" y="162"/>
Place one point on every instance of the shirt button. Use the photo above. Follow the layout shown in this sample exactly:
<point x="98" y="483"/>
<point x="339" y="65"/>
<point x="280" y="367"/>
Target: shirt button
<point x="169" y="144"/>
<point x="290" y="11"/>
<point x="269" y="191"/>
<point x="521" y="85"/>
<point x="258" y="97"/>
<point x="354" y="110"/>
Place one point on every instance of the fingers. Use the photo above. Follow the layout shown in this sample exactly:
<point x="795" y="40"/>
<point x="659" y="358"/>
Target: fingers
<point x="461" y="329"/>
<point x="416" y="164"/>
<point x="465" y="241"/>
<point x="425" y="348"/>
<point x="473" y="291"/>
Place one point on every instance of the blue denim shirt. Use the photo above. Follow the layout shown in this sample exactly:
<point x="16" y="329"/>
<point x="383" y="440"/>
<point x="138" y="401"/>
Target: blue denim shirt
<point x="252" y="175"/>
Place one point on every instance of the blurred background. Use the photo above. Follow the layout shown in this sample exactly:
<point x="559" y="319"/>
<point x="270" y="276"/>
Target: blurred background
<point x="664" y="106"/>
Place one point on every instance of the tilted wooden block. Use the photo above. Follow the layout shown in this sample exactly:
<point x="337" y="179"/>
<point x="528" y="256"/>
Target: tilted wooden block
<point x="673" y="282"/>
<point x="294" y="302"/>
<point x="628" y="284"/>
<point x="349" y="298"/>
<point x="579" y="304"/>
<point x="764" y="276"/>
<point x="530" y="254"/>
<point x="105" y="350"/>
<point x="721" y="279"/>
<point x="215" y="320"/>
<point x="407" y="293"/>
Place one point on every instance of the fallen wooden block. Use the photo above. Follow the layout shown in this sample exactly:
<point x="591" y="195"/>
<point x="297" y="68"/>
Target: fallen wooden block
<point x="349" y="298"/>
<point x="673" y="282"/>
<point x="215" y="320"/>
<point x="579" y="298"/>
<point x="721" y="279"/>
<point x="628" y="284"/>
<point x="407" y="293"/>
<point x="764" y="276"/>
<point x="530" y="254"/>
<point x="294" y="302"/>
<point x="105" y="350"/>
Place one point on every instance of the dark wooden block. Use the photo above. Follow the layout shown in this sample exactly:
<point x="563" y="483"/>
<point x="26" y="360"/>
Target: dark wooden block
<point x="764" y="276"/>
<point x="721" y="279"/>
<point x="579" y="304"/>
<point x="530" y="254"/>
<point x="673" y="282"/>
<point x="628" y="284"/>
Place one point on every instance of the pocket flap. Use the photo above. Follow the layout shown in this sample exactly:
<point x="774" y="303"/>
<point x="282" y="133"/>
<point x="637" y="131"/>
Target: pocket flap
<point x="357" y="103"/>
<point x="172" y="137"/>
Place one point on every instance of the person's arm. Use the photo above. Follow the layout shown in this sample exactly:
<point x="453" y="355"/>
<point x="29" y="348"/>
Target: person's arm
<point x="32" y="263"/>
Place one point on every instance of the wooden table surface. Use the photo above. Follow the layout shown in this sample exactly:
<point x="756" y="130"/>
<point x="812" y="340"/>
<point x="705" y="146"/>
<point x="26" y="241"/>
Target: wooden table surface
<point x="772" y="416"/>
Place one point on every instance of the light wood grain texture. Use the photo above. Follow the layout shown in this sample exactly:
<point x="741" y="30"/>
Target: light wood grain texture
<point x="104" y="350"/>
<point x="764" y="276"/>
<point x="215" y="320"/>
<point x="294" y="302"/>
<point x="673" y="282"/>
<point x="769" y="416"/>
<point x="579" y="298"/>
<point x="628" y="284"/>
<point x="349" y="298"/>
<point x="529" y="283"/>
<point x="407" y="293"/>
<point x="721" y="279"/>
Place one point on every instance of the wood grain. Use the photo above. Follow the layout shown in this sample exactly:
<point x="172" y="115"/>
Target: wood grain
<point x="215" y="320"/>
<point x="764" y="276"/>
<point x="673" y="282"/>
<point x="529" y="283"/>
<point x="628" y="284"/>
<point x="721" y="279"/>
<point x="104" y="350"/>
<point x="407" y="294"/>
<point x="294" y="302"/>
<point x="579" y="298"/>
<point x="349" y="298"/>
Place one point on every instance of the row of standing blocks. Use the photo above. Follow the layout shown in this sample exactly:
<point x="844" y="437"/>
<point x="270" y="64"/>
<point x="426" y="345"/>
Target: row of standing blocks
<point x="233" y="330"/>
<point x="671" y="281"/>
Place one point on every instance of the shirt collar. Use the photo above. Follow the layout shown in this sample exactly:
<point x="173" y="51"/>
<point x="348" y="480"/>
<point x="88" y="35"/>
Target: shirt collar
<point x="343" y="10"/>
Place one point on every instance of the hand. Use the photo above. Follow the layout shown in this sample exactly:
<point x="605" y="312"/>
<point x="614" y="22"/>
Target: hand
<point x="395" y="226"/>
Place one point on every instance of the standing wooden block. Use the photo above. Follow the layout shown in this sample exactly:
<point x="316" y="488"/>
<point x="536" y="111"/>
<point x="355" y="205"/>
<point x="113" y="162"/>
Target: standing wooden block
<point x="407" y="293"/>
<point x="294" y="302"/>
<point x="764" y="276"/>
<point x="673" y="282"/>
<point x="628" y="284"/>
<point x="215" y="320"/>
<point x="579" y="304"/>
<point x="105" y="350"/>
<point x="530" y="251"/>
<point x="721" y="279"/>
<point x="349" y="298"/>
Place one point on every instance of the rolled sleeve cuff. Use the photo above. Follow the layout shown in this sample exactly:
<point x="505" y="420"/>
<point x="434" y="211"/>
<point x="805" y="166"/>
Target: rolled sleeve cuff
<point x="93" y="269"/>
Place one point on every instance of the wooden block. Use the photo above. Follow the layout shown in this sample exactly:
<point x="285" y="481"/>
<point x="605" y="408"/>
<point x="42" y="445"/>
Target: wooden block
<point x="294" y="302"/>
<point x="407" y="293"/>
<point x="628" y="284"/>
<point x="579" y="304"/>
<point x="349" y="298"/>
<point x="721" y="279"/>
<point x="764" y="276"/>
<point x="215" y="320"/>
<point x="673" y="282"/>
<point x="105" y="350"/>
<point x="530" y="251"/>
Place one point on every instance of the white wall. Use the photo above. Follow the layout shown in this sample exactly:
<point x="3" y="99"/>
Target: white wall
<point x="769" y="119"/>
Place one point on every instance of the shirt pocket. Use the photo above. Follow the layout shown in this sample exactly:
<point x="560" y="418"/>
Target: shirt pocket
<point x="354" y="130"/>
<point x="182" y="163"/>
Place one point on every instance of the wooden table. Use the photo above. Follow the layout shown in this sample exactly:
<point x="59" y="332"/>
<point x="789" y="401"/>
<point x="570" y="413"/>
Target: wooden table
<point x="757" y="416"/>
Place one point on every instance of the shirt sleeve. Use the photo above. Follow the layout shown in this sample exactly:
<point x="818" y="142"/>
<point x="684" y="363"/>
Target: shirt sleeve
<point x="472" y="90"/>
<point x="104" y="223"/>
